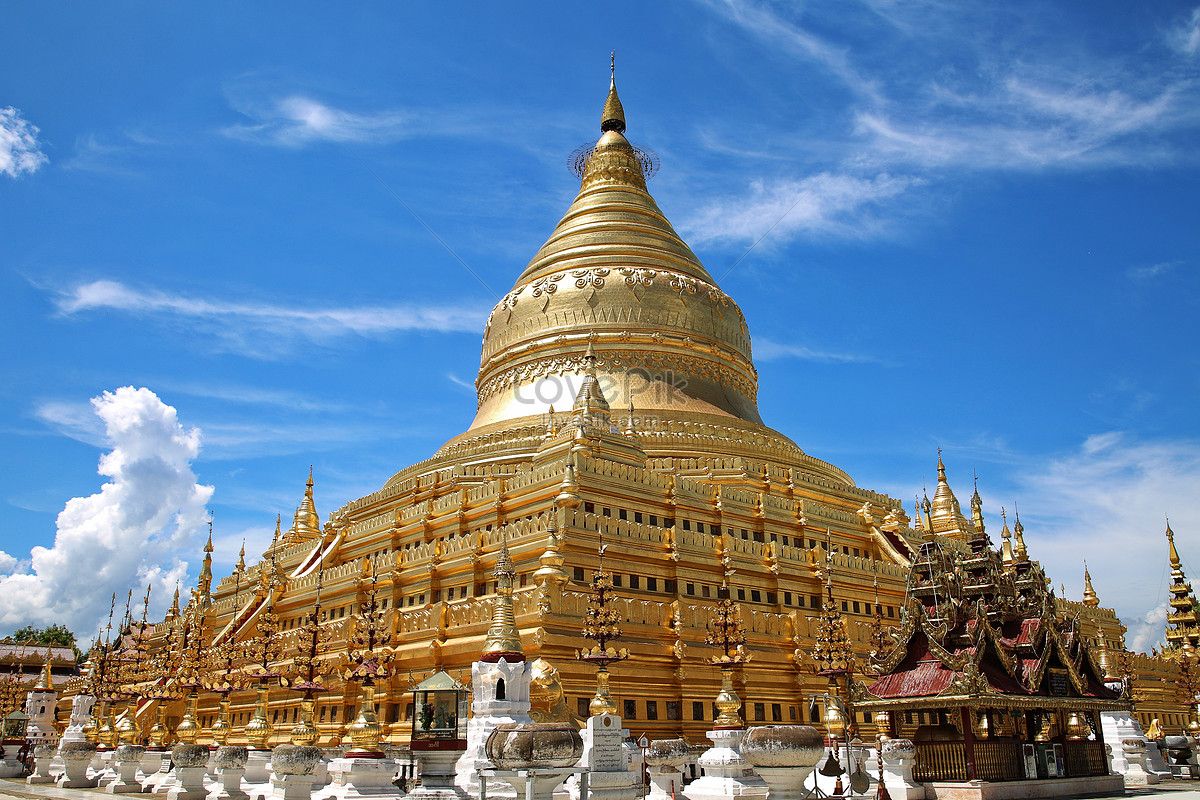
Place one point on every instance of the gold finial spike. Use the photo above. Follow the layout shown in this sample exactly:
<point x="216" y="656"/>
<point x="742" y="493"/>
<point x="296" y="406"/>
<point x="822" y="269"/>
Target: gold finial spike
<point x="1174" y="554"/>
<point x="241" y="562"/>
<point x="46" y="681"/>
<point x="941" y="468"/>
<point x="1089" y="594"/>
<point x="613" y="118"/>
<point x="1019" y="550"/>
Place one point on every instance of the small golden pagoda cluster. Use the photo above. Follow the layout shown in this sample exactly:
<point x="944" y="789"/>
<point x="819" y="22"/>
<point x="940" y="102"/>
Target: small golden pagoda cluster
<point x="601" y="624"/>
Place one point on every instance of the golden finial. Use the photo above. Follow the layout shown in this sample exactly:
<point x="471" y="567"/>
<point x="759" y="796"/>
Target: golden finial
<point x="503" y="641"/>
<point x="568" y="490"/>
<point x="1089" y="594"/>
<point x="941" y="468"/>
<point x="1174" y="554"/>
<point x="550" y="571"/>
<point x="1021" y="553"/>
<point x="241" y="562"/>
<point x="46" y="681"/>
<point x="1006" y="549"/>
<point x="613" y="118"/>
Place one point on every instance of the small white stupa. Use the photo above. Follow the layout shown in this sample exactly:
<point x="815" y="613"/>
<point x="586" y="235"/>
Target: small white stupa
<point x="499" y="685"/>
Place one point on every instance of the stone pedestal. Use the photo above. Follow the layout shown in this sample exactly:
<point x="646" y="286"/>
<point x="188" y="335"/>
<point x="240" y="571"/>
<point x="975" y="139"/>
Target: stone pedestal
<point x="229" y="765"/>
<point x="1154" y="760"/>
<point x="726" y="773"/>
<point x="438" y="769"/>
<point x="355" y="777"/>
<point x="604" y="755"/>
<point x="76" y="757"/>
<point x="105" y="772"/>
<point x="153" y="779"/>
<point x="191" y="765"/>
<point x="258" y="766"/>
<point x="292" y="768"/>
<point x="535" y="784"/>
<point x="783" y="756"/>
<point x="10" y="765"/>
<point x="1135" y="756"/>
<point x="665" y="782"/>
<point x="899" y="758"/>
<point x="126" y="762"/>
<point x="43" y="755"/>
<point x="191" y="784"/>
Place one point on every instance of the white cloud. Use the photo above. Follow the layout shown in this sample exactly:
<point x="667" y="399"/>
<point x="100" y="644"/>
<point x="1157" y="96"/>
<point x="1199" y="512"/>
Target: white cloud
<point x="20" y="152"/>
<point x="1186" y="37"/>
<point x="1150" y="631"/>
<point x="768" y="350"/>
<point x="7" y="562"/>
<point x="241" y="324"/>
<point x="826" y="204"/>
<point x="128" y="534"/>
<point x="1150" y="271"/>
<point x="1106" y="503"/>
<point x="296" y="120"/>
<point x="1027" y="123"/>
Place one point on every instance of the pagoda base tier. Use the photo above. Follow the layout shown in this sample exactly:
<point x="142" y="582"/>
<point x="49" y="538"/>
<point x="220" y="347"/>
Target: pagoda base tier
<point x="1102" y="785"/>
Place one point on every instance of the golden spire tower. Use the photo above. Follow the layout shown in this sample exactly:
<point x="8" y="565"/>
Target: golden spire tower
<point x="1090" y="598"/>
<point x="1183" y="623"/>
<point x="503" y="640"/>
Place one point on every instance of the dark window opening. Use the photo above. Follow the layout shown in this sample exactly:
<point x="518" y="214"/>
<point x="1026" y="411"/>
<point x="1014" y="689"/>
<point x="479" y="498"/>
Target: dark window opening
<point x="630" y="709"/>
<point x="651" y="709"/>
<point x="697" y="710"/>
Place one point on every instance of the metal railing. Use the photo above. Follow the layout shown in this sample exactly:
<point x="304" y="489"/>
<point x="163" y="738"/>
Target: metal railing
<point x="940" y="761"/>
<point x="999" y="761"/>
<point x="1085" y="758"/>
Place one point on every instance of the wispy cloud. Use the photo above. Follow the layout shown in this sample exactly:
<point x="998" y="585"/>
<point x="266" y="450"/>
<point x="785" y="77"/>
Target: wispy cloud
<point x="296" y="120"/>
<point x="1151" y="271"/>
<point x="827" y="204"/>
<point x="944" y="92"/>
<point x="459" y="382"/>
<point x="20" y="152"/>
<point x="1185" y="37"/>
<point x="239" y="323"/>
<point x="769" y="350"/>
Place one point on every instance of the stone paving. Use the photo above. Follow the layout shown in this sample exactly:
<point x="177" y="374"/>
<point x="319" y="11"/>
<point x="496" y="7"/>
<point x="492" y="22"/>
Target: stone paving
<point x="13" y="789"/>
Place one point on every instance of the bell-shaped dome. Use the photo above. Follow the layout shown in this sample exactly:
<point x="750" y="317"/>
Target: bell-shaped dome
<point x="615" y="274"/>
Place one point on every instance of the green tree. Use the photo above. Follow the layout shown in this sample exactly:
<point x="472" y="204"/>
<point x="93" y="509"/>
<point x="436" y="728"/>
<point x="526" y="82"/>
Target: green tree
<point x="53" y="636"/>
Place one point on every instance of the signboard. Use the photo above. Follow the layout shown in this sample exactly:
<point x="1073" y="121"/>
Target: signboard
<point x="1058" y="683"/>
<point x="606" y="753"/>
<point x="1030" y="762"/>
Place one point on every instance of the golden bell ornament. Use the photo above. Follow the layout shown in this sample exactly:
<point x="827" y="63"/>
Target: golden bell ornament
<point x="1077" y="728"/>
<point x="221" y="728"/>
<point x="305" y="733"/>
<point x="602" y="703"/>
<point x="258" y="729"/>
<point x="835" y="722"/>
<point x="728" y="703"/>
<point x="365" y="732"/>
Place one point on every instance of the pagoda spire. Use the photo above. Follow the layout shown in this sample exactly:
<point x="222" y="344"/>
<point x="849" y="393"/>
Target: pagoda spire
<point x="1006" y="547"/>
<point x="46" y="681"/>
<point x="503" y="641"/>
<point x="306" y="524"/>
<point x="1019" y="550"/>
<point x="977" y="512"/>
<point x="241" y="562"/>
<point x="613" y="117"/>
<point x="206" y="576"/>
<point x="1183" y="623"/>
<point x="1089" y="594"/>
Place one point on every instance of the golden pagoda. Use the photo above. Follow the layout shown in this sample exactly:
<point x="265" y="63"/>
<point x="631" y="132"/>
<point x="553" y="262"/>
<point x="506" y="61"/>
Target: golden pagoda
<point x="692" y="494"/>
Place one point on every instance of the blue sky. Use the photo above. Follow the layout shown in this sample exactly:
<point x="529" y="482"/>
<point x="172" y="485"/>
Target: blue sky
<point x="980" y="233"/>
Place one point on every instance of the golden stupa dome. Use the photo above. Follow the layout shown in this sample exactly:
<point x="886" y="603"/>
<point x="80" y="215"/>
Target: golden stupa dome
<point x="614" y="273"/>
<point x="616" y="298"/>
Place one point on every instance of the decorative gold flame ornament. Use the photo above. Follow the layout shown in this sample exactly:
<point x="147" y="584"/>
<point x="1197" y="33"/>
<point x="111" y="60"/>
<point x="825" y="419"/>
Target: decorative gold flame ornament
<point x="601" y="624"/>
<point x="260" y="654"/>
<point x="307" y="668"/>
<point x="725" y="633"/>
<point x="369" y="660"/>
<point x="191" y="659"/>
